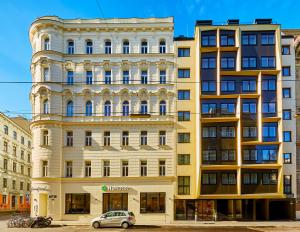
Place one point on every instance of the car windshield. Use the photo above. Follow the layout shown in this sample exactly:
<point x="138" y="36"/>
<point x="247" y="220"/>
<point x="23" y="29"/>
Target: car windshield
<point x="131" y="214"/>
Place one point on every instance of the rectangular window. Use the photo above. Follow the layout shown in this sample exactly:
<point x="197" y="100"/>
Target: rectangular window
<point x="69" y="169"/>
<point x="15" y="135"/>
<point x="250" y="155"/>
<point x="46" y="74"/>
<point x="249" y="86"/>
<point x="209" y="155"/>
<point x="269" y="154"/>
<point x="287" y="136"/>
<point x="13" y="184"/>
<point x="162" y="167"/>
<point x="286" y="92"/>
<point x="89" y="77"/>
<point x="286" y="71"/>
<point x="106" y="168"/>
<point x="208" y="63"/>
<point x="250" y="178"/>
<point x="227" y="40"/>
<point x="269" y="178"/>
<point x="22" y="140"/>
<point x="183" y="52"/>
<point x="14" y="167"/>
<point x="22" y="169"/>
<point x="287" y="158"/>
<point x="269" y="85"/>
<point x="269" y="131"/>
<point x="209" y="108"/>
<point x="162" y="77"/>
<point x="154" y="202"/>
<point x="88" y="168"/>
<point x="287" y="182"/>
<point x="69" y="138"/>
<point x="183" y="137"/>
<point x="209" y="132"/>
<point x="5" y="146"/>
<point x="208" y="86"/>
<point x="88" y="138"/>
<point x="22" y="154"/>
<point x="228" y="155"/>
<point x="14" y="151"/>
<point x="106" y="138"/>
<point x="268" y="62"/>
<point x="5" y="164"/>
<point x="208" y="40"/>
<point x="183" y="94"/>
<point x="183" y="185"/>
<point x="77" y="203"/>
<point x="125" y="168"/>
<point x="227" y="62"/>
<point x="4" y="182"/>
<point x="107" y="77"/>
<point x="144" y="138"/>
<point x="227" y="108"/>
<point x="183" y="159"/>
<point x="21" y="185"/>
<point x="125" y="77"/>
<point x="44" y="168"/>
<point x="285" y="50"/>
<point x="228" y="179"/>
<point x="269" y="107"/>
<point x="227" y="86"/>
<point x="287" y="114"/>
<point x="228" y="132"/>
<point x="184" y="116"/>
<point x="70" y="78"/>
<point x="249" y="132"/>
<point x="267" y="39"/>
<point x="248" y="39"/>
<point x="143" y="167"/>
<point x="184" y="73"/>
<point x="162" y="138"/>
<point x="209" y="178"/>
<point x="125" y="138"/>
<point x="249" y="62"/>
<point x="144" y="77"/>
<point x="45" y="138"/>
<point x="5" y="129"/>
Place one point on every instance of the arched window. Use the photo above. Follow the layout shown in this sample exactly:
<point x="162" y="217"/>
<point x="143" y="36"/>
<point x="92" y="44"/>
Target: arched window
<point x="144" y="107"/>
<point x="162" y="107"/>
<point x="88" y="108"/>
<point x="46" y="43"/>
<point x="70" y="109"/>
<point x="89" y="47"/>
<point x="107" y="108"/>
<point x="125" y="108"/>
<point x="126" y="47"/>
<point x="46" y="107"/>
<point x="162" y="46"/>
<point x="71" y="47"/>
<point x="107" y="47"/>
<point x="144" y="47"/>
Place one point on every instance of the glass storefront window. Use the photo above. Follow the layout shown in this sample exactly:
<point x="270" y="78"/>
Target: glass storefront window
<point x="115" y="201"/>
<point x="77" y="203"/>
<point x="153" y="202"/>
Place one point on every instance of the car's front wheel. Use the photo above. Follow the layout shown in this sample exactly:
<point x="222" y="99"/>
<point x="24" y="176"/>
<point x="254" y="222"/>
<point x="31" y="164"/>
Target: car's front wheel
<point x="125" y="225"/>
<point x="96" y="225"/>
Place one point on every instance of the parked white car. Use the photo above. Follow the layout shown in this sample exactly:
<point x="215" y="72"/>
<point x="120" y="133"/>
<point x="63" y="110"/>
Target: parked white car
<point x="116" y="218"/>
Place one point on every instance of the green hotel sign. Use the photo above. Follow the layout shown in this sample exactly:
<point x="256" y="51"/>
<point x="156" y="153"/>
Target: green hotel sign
<point x="106" y="188"/>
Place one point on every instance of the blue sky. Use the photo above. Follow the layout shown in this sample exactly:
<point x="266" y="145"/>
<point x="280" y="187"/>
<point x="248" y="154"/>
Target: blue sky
<point x="17" y="15"/>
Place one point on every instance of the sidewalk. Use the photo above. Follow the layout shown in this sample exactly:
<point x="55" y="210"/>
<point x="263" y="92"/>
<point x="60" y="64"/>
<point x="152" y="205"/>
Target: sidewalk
<point x="203" y="223"/>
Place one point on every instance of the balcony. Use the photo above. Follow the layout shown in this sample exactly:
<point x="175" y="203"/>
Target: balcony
<point x="218" y="115"/>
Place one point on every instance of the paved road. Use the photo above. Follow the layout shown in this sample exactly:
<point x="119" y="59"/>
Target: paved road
<point x="3" y="228"/>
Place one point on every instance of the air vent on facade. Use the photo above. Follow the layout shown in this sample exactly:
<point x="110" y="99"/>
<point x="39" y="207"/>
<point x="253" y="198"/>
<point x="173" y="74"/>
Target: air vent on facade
<point x="204" y="22"/>
<point x="233" y="21"/>
<point x="263" y="21"/>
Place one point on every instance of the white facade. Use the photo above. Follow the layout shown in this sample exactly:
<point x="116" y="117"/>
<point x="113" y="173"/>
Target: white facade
<point x="119" y="108"/>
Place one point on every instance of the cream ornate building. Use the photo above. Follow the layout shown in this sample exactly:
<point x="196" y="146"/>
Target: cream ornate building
<point x="15" y="163"/>
<point x="103" y="103"/>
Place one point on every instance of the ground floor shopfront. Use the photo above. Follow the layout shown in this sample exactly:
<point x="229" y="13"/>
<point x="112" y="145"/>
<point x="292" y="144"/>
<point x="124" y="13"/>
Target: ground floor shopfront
<point x="14" y="201"/>
<point x="235" y="209"/>
<point x="152" y="201"/>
